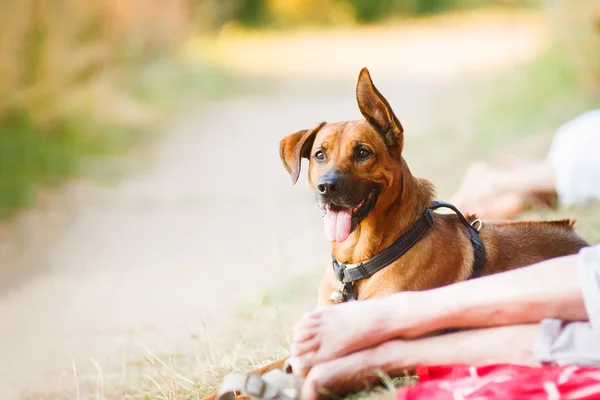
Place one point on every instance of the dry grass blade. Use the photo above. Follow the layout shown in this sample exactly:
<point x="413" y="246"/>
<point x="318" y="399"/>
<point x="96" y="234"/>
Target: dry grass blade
<point x="154" y="357"/>
<point x="386" y="380"/>
<point x="155" y="367"/>
<point x="100" y="379"/>
<point x="76" y="379"/>
<point x="157" y="386"/>
<point x="175" y="381"/>
<point x="173" y="393"/>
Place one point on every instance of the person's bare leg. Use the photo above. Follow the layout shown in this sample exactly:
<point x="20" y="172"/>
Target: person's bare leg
<point x="493" y="192"/>
<point x="549" y="289"/>
<point x="511" y="344"/>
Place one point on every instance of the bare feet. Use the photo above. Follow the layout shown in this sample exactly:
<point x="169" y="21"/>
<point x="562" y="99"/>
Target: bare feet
<point x="510" y="344"/>
<point x="477" y="185"/>
<point x="481" y="193"/>
<point x="335" y="331"/>
<point x="503" y="206"/>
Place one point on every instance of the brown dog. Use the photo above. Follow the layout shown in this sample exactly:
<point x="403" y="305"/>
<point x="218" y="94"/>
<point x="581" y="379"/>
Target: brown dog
<point x="370" y="199"/>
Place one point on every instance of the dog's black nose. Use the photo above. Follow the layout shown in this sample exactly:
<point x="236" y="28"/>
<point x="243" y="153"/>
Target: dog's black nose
<point x="329" y="184"/>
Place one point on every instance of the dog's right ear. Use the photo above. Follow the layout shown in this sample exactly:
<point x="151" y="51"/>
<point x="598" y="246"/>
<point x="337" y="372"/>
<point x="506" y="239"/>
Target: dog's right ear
<point x="295" y="146"/>
<point x="377" y="111"/>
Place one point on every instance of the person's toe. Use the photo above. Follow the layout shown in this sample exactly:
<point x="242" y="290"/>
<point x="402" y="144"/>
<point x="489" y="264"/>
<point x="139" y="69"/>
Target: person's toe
<point x="300" y="348"/>
<point x="304" y="333"/>
<point x="301" y="365"/>
<point x="297" y="366"/>
<point x="310" y="389"/>
<point x="319" y="382"/>
<point x="328" y="379"/>
<point x="308" y="320"/>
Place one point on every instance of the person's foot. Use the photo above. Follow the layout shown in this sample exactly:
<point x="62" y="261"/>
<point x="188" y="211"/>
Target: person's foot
<point x="477" y="185"/>
<point x="509" y="344"/>
<point x="503" y="206"/>
<point x="480" y="194"/>
<point x="344" y="375"/>
<point x="338" y="330"/>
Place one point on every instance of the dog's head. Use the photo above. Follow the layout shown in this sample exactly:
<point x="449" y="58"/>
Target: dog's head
<point x="353" y="165"/>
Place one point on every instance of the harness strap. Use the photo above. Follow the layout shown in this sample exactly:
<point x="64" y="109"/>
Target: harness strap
<point x="347" y="274"/>
<point x="350" y="273"/>
<point x="478" y="249"/>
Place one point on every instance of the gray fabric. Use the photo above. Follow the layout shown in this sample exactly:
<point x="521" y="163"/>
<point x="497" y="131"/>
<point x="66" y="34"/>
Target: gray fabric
<point x="575" y="343"/>
<point x="589" y="278"/>
<point x="572" y="343"/>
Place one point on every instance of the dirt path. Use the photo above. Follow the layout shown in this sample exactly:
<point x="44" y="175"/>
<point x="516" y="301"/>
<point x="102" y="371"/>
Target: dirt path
<point x="211" y="223"/>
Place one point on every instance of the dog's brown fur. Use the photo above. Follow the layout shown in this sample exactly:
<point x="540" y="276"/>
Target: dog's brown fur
<point x="445" y="254"/>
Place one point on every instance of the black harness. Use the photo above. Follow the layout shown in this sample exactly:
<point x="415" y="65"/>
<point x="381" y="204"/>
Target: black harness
<point x="347" y="274"/>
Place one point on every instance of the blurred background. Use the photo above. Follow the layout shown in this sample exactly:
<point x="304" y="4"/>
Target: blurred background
<point x="150" y="240"/>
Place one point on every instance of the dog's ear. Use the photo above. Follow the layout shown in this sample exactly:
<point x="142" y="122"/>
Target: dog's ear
<point x="377" y="111"/>
<point x="295" y="146"/>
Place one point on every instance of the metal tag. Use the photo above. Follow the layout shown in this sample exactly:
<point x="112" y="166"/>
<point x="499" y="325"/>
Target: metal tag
<point x="337" y="296"/>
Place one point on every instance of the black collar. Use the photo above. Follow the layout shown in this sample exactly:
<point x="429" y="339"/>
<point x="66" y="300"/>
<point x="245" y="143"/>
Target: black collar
<point x="347" y="274"/>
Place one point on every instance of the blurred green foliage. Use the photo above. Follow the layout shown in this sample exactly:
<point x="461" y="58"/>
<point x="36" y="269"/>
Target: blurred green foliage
<point x="371" y="11"/>
<point x="66" y="87"/>
<point x="576" y="29"/>
<point x="290" y="13"/>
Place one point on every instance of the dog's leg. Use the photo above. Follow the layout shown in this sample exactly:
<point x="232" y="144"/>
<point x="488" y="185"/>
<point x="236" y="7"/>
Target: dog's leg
<point x="279" y="364"/>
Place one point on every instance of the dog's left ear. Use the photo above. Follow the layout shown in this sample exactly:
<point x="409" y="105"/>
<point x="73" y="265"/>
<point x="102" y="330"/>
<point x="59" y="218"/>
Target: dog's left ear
<point x="295" y="146"/>
<point x="377" y="111"/>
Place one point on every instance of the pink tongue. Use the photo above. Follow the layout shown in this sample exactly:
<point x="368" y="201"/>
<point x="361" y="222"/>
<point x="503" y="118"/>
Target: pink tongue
<point x="337" y="225"/>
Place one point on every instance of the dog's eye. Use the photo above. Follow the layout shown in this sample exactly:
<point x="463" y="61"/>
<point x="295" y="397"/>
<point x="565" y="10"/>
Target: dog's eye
<point x="319" y="155"/>
<point x="363" y="153"/>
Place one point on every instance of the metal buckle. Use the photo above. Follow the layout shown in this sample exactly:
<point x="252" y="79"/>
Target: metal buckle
<point x="479" y="223"/>
<point x="255" y="386"/>
<point x="338" y="270"/>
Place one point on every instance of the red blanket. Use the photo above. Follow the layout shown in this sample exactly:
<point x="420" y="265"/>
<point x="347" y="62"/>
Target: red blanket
<point x="503" y="381"/>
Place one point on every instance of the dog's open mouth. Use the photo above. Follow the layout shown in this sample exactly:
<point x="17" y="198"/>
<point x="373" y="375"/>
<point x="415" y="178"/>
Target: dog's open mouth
<point x="341" y="221"/>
